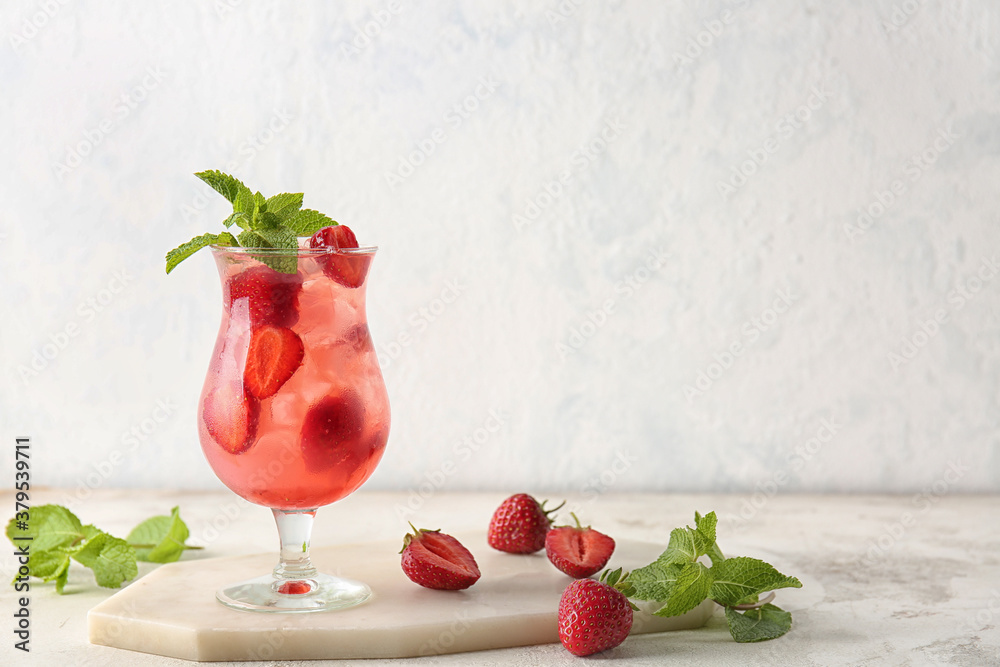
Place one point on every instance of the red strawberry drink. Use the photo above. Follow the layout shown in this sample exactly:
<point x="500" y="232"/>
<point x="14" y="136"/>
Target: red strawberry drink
<point x="294" y="413"/>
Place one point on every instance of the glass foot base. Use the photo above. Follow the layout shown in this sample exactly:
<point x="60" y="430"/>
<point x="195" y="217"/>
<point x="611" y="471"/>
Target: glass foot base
<point x="318" y="593"/>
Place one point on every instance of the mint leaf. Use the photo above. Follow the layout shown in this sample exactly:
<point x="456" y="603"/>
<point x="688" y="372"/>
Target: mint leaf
<point x="90" y="530"/>
<point x="284" y="239"/>
<point x="111" y="559"/>
<point x="251" y="239"/>
<point x="56" y="533"/>
<point x="688" y="544"/>
<point x="705" y="528"/>
<point x="705" y="536"/>
<point x="91" y="549"/>
<point x="62" y="577"/>
<point x="273" y="239"/>
<point x="706" y="525"/>
<point x="654" y="582"/>
<point x="160" y="539"/>
<point x="739" y="580"/>
<point x="268" y="220"/>
<point x="279" y="238"/>
<point x="226" y="185"/>
<point x="47" y="565"/>
<point x="285" y="204"/>
<point x="185" y="250"/>
<point x="307" y="222"/>
<point x="240" y="219"/>
<point x="50" y="527"/>
<point x="757" y="625"/>
<point x="244" y="203"/>
<point x="681" y="548"/>
<point x="690" y="588"/>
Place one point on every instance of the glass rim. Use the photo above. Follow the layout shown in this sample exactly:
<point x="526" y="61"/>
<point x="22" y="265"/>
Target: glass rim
<point x="288" y="252"/>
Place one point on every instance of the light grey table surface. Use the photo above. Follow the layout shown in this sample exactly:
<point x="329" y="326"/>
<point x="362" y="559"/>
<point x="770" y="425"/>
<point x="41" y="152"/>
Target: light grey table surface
<point x="887" y="580"/>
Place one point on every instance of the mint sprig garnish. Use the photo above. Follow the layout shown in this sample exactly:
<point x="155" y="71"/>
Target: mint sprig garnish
<point x="57" y="536"/>
<point x="272" y="223"/>
<point x="678" y="582"/>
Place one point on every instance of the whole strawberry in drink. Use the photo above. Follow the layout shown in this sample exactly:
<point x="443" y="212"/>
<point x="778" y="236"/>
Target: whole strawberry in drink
<point x="593" y="617"/>
<point x="435" y="560"/>
<point x="294" y="413"/>
<point x="272" y="297"/>
<point x="520" y="524"/>
<point x="577" y="551"/>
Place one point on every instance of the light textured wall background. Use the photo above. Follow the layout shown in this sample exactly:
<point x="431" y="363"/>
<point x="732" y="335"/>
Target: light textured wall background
<point x="610" y="195"/>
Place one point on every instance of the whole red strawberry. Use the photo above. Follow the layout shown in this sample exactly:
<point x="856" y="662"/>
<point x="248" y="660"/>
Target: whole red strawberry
<point x="520" y="524"/>
<point x="272" y="297"/>
<point x="435" y="560"/>
<point x="332" y="432"/>
<point x="348" y="269"/>
<point x="593" y="617"/>
<point x="579" y="552"/>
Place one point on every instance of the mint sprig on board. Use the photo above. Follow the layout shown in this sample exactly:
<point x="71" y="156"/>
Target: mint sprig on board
<point x="57" y="536"/>
<point x="272" y="223"/>
<point x="678" y="582"/>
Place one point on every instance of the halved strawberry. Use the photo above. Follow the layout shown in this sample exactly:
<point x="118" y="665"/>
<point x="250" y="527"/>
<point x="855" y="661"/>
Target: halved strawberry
<point x="273" y="297"/>
<point x="348" y="269"/>
<point x="274" y="355"/>
<point x="230" y="416"/>
<point x="331" y="431"/>
<point x="435" y="560"/>
<point x="579" y="552"/>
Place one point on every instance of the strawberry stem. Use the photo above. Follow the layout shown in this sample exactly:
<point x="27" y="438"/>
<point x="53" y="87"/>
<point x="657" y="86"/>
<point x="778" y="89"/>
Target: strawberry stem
<point x="151" y="546"/>
<point x="548" y="512"/>
<point x="752" y="605"/>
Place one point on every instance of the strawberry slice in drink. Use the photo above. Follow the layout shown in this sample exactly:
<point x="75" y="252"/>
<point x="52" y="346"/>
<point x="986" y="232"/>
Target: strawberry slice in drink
<point x="230" y="416"/>
<point x="275" y="354"/>
<point x="272" y="296"/>
<point x="347" y="269"/>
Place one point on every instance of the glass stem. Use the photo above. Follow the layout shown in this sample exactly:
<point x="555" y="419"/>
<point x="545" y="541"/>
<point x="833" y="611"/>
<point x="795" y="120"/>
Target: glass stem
<point x="294" y="531"/>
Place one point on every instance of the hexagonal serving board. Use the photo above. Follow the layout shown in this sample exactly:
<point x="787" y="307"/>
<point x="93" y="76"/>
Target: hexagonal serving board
<point x="173" y="611"/>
